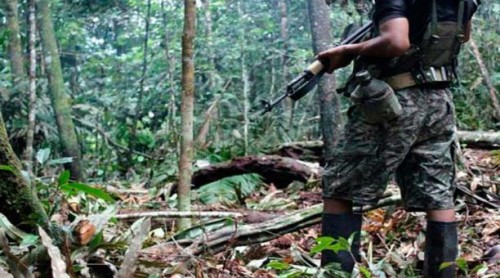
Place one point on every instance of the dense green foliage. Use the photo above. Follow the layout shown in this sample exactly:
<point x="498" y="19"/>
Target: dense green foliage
<point x="101" y="46"/>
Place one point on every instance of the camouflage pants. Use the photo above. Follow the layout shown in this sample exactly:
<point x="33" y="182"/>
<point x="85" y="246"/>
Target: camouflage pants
<point x="418" y="147"/>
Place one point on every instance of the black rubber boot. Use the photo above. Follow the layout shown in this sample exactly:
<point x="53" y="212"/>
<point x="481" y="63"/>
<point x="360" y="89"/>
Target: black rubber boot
<point x="341" y="225"/>
<point x="441" y="245"/>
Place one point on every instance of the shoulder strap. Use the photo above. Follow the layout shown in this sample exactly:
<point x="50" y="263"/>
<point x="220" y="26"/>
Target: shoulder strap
<point x="460" y="19"/>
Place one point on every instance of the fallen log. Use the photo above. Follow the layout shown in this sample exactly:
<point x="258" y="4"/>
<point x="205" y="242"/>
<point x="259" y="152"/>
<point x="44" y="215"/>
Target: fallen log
<point x="247" y="234"/>
<point x="312" y="150"/>
<point x="479" y="139"/>
<point x="280" y="171"/>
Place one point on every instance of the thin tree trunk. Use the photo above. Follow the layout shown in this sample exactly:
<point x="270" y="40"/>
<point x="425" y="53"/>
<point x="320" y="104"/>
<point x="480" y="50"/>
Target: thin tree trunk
<point x="284" y="56"/>
<point x="187" y="107"/>
<point x="284" y="37"/>
<point x="273" y="80"/>
<point x="170" y="60"/>
<point x="486" y="77"/>
<point x="209" y="46"/>
<point x="211" y="65"/>
<point x="138" y="108"/>
<point x="14" y="46"/>
<point x="330" y="121"/>
<point x="244" y="78"/>
<point x="60" y="100"/>
<point x="19" y="200"/>
<point x="32" y="86"/>
<point x="118" y="29"/>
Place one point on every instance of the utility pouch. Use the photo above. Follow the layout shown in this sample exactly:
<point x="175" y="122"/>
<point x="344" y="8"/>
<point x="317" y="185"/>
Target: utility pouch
<point x="375" y="99"/>
<point x="440" y="48"/>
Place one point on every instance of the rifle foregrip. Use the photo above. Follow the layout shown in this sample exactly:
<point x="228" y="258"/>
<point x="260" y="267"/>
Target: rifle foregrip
<point x="316" y="67"/>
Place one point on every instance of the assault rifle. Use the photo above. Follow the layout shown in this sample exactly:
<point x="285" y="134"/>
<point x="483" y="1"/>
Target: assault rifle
<point x="306" y="81"/>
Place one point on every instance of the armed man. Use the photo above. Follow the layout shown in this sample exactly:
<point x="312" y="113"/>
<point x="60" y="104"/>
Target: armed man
<point x="402" y="123"/>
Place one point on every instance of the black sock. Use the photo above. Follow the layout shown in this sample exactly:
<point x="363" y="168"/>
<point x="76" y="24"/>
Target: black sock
<point x="441" y="246"/>
<point x="341" y="225"/>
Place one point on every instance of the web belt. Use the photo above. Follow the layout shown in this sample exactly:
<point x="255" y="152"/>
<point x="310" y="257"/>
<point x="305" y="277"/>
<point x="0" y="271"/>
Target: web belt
<point x="430" y="76"/>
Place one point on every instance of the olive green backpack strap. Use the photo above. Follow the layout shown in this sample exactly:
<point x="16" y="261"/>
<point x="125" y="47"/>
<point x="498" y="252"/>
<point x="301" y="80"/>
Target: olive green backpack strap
<point x="434" y="19"/>
<point x="460" y="24"/>
<point x="434" y="23"/>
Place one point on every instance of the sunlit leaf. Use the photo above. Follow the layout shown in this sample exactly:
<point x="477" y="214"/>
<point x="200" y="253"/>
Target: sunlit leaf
<point x="322" y="243"/>
<point x="462" y="264"/>
<point x="7" y="168"/>
<point x="60" y="161"/>
<point x="480" y="269"/>
<point x="445" y="265"/>
<point x="274" y="264"/>
<point x="95" y="192"/>
<point x="366" y="273"/>
<point x="63" y="177"/>
<point x="43" y="155"/>
<point x="29" y="240"/>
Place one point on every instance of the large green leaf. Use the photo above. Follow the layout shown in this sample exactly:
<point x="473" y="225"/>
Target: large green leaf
<point x="87" y="189"/>
<point x="226" y="189"/>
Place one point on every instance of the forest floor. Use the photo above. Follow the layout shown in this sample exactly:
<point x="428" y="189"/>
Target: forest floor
<point x="392" y="239"/>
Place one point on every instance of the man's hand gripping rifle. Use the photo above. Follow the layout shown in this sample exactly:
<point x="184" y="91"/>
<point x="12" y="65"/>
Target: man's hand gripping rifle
<point x="306" y="81"/>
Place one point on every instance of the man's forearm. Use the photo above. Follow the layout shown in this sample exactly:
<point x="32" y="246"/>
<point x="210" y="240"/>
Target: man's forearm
<point x="392" y="41"/>
<point x="376" y="47"/>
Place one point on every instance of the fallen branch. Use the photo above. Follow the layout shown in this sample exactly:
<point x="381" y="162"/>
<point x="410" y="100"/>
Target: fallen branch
<point x="181" y="214"/>
<point x="247" y="234"/>
<point x="466" y="191"/>
<point x="203" y="131"/>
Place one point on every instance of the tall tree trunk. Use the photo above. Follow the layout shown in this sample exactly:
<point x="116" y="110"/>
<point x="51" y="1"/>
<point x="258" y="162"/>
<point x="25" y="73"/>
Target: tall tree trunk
<point x="19" y="201"/>
<point x="14" y="48"/>
<point x="138" y="108"/>
<point x="60" y="101"/>
<point x="187" y="107"/>
<point x="330" y="121"/>
<point x="32" y="86"/>
<point x="244" y="78"/>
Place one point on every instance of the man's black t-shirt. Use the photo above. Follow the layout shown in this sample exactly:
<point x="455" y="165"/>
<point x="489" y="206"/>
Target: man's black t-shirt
<point x="418" y="13"/>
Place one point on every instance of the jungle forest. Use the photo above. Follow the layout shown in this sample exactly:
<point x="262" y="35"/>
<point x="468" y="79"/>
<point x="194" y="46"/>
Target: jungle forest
<point x="137" y="140"/>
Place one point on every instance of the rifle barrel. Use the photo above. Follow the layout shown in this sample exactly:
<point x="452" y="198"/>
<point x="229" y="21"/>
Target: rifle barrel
<point x="361" y="32"/>
<point x="354" y="38"/>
